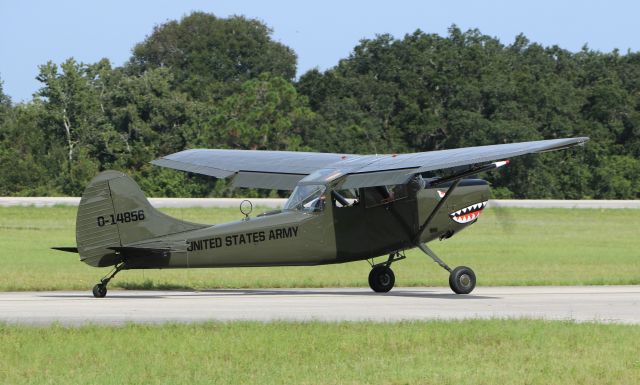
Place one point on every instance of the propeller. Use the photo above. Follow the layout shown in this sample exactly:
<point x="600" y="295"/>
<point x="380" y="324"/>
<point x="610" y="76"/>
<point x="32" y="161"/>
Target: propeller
<point x="503" y="215"/>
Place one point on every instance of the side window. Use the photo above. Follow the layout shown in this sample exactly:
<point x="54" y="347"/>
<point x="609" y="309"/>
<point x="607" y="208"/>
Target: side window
<point x="375" y="196"/>
<point x="380" y="195"/>
<point x="399" y="191"/>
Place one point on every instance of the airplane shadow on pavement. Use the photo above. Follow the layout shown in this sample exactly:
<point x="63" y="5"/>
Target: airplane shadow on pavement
<point x="227" y="293"/>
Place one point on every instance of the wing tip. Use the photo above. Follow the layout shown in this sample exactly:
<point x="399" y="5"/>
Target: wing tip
<point x="583" y="139"/>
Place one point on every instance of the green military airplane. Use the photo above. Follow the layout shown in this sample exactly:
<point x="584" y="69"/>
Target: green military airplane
<point x="343" y="208"/>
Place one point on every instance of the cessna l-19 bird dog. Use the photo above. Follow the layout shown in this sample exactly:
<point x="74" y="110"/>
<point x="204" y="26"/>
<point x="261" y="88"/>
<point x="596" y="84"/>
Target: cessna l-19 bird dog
<point x="343" y="208"/>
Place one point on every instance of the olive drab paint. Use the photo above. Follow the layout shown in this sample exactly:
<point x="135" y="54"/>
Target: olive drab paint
<point x="394" y="209"/>
<point x="117" y="224"/>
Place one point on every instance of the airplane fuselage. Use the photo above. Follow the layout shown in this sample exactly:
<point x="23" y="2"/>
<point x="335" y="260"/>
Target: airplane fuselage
<point x="343" y="207"/>
<point x="373" y="226"/>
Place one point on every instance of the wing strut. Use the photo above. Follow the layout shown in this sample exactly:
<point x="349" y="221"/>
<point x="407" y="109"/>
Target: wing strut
<point x="430" y="253"/>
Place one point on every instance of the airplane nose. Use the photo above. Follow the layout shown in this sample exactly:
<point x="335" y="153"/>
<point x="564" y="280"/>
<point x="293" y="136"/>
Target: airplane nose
<point x="462" y="208"/>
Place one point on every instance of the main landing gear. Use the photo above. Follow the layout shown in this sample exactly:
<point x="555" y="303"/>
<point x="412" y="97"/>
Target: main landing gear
<point x="100" y="289"/>
<point x="381" y="277"/>
<point x="462" y="280"/>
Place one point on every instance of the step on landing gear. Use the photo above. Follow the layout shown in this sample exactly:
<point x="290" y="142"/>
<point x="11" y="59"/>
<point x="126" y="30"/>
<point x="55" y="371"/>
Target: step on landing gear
<point x="100" y="289"/>
<point x="381" y="277"/>
<point x="462" y="280"/>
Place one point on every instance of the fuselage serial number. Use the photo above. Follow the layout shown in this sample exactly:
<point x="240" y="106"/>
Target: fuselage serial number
<point x="126" y="217"/>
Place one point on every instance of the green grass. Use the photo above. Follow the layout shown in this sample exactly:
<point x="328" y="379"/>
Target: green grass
<point x="505" y="247"/>
<point x="462" y="352"/>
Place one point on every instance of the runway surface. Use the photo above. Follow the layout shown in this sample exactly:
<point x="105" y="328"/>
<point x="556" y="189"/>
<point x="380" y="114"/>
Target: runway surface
<point x="619" y="304"/>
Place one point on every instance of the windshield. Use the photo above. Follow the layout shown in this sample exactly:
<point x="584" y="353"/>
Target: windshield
<point x="308" y="198"/>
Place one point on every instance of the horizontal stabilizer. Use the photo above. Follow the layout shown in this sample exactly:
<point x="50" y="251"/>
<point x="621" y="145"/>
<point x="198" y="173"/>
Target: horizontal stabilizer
<point x="134" y="252"/>
<point x="143" y="257"/>
<point x="67" y="249"/>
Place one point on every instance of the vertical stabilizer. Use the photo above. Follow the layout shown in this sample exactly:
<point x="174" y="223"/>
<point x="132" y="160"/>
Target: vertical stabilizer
<point x="114" y="212"/>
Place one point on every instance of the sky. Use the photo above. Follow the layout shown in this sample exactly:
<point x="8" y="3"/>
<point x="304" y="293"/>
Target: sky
<point x="321" y="32"/>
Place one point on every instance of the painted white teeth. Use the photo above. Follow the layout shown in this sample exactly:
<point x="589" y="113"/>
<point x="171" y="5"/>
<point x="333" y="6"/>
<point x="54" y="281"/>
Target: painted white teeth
<point x="469" y="213"/>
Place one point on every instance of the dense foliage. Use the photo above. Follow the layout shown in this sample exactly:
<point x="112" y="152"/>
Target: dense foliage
<point x="210" y="82"/>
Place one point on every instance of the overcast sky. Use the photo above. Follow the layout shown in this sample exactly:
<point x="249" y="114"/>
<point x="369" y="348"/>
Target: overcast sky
<point x="320" y="32"/>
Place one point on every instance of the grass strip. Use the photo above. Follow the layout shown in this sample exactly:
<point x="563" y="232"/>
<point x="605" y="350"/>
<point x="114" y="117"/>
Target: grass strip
<point x="507" y="246"/>
<point x="433" y="352"/>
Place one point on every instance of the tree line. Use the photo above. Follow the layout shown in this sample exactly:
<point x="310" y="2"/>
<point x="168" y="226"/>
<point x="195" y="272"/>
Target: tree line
<point x="211" y="82"/>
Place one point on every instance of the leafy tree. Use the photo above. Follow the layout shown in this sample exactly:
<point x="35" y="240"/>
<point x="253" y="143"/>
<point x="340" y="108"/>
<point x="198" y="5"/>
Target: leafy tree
<point x="209" y="56"/>
<point x="267" y="113"/>
<point x="203" y="81"/>
<point x="149" y="117"/>
<point x="72" y="117"/>
<point x="618" y="177"/>
<point x="426" y="92"/>
<point x="5" y="104"/>
<point x="25" y="163"/>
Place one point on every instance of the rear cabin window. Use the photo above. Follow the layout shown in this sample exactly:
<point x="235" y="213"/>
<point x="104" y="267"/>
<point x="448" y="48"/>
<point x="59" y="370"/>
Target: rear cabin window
<point x="381" y="195"/>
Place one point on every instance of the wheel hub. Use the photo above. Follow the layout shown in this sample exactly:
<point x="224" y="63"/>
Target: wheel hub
<point x="385" y="279"/>
<point x="465" y="280"/>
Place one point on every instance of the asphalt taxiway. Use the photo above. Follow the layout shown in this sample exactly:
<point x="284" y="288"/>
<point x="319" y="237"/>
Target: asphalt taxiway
<point x="618" y="304"/>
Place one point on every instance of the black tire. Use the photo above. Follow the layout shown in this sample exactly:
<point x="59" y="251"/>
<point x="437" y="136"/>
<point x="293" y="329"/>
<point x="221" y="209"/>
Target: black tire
<point x="99" y="290"/>
<point x="381" y="279"/>
<point x="462" y="280"/>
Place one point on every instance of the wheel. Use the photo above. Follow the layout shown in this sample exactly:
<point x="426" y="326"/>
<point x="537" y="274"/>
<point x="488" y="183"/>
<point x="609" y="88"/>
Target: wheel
<point x="99" y="290"/>
<point x="462" y="280"/>
<point x="381" y="279"/>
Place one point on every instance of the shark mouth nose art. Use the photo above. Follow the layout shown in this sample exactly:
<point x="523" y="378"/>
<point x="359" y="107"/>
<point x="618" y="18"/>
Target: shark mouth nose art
<point x="469" y="213"/>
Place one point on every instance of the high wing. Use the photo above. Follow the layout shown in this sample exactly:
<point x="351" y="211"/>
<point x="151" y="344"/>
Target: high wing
<point x="283" y="170"/>
<point x="259" y="169"/>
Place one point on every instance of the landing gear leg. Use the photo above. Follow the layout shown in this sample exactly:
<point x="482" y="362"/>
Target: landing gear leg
<point x="381" y="277"/>
<point x="462" y="280"/>
<point x="100" y="289"/>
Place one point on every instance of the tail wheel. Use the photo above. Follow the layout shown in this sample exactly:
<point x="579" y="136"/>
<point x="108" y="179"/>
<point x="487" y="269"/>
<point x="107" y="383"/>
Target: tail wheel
<point x="462" y="280"/>
<point x="381" y="279"/>
<point x="100" y="289"/>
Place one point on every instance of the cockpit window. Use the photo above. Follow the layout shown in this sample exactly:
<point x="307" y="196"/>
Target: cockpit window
<point x="345" y="198"/>
<point x="307" y="198"/>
